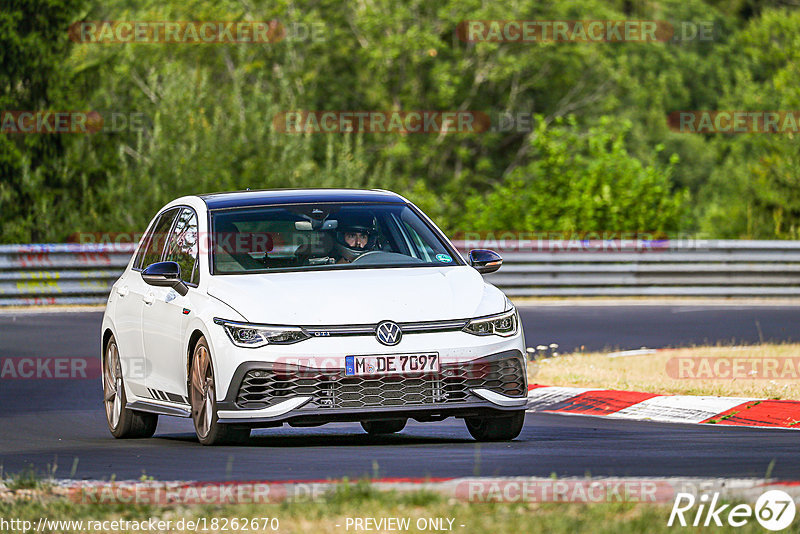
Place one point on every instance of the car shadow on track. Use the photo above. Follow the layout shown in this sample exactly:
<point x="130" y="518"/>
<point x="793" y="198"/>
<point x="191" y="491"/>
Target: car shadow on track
<point x="328" y="440"/>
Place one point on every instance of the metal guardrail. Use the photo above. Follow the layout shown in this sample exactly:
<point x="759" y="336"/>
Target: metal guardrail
<point x="60" y="273"/>
<point x="83" y="274"/>
<point x="718" y="268"/>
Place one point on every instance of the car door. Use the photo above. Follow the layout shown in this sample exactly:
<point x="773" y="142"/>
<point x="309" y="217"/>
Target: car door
<point x="165" y="314"/>
<point x="129" y="294"/>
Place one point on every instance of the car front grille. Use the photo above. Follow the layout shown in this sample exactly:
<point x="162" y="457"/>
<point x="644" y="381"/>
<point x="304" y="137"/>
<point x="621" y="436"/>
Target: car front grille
<point x="262" y="388"/>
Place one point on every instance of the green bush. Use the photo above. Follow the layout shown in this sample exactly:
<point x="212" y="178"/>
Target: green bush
<point x="599" y="157"/>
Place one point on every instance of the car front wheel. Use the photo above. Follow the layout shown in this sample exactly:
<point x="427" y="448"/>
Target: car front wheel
<point x="502" y="428"/>
<point x="203" y="399"/>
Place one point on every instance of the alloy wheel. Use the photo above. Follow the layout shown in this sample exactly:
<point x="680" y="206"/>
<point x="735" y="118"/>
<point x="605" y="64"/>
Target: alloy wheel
<point x="202" y="391"/>
<point x="112" y="385"/>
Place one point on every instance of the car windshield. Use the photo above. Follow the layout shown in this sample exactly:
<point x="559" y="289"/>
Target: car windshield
<point x="324" y="236"/>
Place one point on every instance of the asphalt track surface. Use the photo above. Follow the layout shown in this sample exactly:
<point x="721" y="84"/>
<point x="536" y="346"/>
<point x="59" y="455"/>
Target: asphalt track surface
<point x="59" y="425"/>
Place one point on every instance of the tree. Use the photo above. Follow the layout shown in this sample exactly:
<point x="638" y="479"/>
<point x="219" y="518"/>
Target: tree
<point x="34" y="46"/>
<point x="582" y="182"/>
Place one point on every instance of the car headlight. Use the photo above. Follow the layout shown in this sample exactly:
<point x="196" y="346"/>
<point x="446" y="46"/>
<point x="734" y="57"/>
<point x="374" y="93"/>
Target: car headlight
<point x="503" y="324"/>
<point x="258" y="335"/>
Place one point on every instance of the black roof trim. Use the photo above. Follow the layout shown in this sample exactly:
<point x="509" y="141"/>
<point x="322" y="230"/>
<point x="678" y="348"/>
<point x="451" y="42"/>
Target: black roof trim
<point x="242" y="199"/>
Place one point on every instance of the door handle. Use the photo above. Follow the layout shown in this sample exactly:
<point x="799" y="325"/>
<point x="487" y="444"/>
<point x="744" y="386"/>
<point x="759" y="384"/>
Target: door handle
<point x="149" y="299"/>
<point x="123" y="291"/>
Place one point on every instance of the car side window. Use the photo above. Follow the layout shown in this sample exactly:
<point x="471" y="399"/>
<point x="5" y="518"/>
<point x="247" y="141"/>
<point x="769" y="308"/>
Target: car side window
<point x="182" y="245"/>
<point x="137" y="262"/>
<point x="418" y="234"/>
<point x="154" y="242"/>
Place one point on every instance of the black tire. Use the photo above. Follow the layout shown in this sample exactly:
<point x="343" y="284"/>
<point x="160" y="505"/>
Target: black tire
<point x="122" y="422"/>
<point x="203" y="399"/>
<point x="500" y="428"/>
<point x="391" y="426"/>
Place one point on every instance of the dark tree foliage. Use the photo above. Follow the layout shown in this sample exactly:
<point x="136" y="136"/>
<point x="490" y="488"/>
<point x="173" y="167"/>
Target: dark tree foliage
<point x="588" y="146"/>
<point x="34" y="48"/>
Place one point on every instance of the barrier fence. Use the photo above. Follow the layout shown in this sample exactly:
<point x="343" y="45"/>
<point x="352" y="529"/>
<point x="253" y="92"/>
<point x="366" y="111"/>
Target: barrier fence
<point x="83" y="274"/>
<point x="60" y="273"/>
<point x="718" y="268"/>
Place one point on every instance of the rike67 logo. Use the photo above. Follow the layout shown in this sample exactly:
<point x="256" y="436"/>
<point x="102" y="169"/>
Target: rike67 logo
<point x="774" y="510"/>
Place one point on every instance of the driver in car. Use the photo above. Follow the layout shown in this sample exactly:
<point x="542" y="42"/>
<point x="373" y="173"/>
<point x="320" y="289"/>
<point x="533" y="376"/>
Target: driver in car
<point x="356" y="234"/>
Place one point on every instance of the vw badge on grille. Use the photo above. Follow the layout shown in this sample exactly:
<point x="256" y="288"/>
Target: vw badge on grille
<point x="388" y="333"/>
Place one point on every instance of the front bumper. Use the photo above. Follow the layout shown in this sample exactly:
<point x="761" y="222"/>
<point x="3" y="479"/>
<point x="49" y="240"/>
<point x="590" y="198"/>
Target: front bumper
<point x="269" y="394"/>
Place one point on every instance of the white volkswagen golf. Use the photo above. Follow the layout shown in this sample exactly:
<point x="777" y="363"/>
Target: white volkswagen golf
<point x="258" y="308"/>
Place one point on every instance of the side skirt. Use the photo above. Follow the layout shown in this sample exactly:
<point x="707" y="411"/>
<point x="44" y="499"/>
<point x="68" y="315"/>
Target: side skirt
<point x="143" y="406"/>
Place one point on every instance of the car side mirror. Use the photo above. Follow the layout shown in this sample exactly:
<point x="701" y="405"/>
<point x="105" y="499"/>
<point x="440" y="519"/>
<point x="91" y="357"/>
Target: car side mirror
<point x="485" y="261"/>
<point x="165" y="274"/>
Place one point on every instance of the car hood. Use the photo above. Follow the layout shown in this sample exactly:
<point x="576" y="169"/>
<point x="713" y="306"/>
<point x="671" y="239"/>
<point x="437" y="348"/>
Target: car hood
<point x="359" y="296"/>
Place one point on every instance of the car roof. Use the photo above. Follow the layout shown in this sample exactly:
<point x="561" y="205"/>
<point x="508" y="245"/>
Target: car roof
<point x="263" y="197"/>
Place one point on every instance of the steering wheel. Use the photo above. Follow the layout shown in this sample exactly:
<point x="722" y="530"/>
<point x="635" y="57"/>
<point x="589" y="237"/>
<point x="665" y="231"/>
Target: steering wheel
<point x="371" y="252"/>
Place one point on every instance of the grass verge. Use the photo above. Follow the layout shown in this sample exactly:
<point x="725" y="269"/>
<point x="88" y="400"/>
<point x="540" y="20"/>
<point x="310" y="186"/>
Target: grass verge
<point x="331" y="512"/>
<point x="723" y="371"/>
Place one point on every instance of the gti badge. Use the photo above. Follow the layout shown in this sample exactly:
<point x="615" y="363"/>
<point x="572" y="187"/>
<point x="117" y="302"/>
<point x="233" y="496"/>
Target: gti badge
<point x="388" y="333"/>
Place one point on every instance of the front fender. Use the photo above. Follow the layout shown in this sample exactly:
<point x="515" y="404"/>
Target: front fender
<point x="201" y="319"/>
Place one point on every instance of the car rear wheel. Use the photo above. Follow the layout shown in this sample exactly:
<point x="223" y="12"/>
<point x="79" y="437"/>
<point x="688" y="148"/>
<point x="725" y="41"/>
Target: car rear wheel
<point x="384" y="427"/>
<point x="502" y="428"/>
<point x="203" y="399"/>
<point x="122" y="422"/>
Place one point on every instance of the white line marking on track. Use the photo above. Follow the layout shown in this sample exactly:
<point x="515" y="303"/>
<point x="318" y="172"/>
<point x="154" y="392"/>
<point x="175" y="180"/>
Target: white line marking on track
<point x="635" y="352"/>
<point x="679" y="408"/>
<point x="544" y="398"/>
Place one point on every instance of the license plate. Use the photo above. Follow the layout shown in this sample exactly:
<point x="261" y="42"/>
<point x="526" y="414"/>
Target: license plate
<point x="391" y="364"/>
